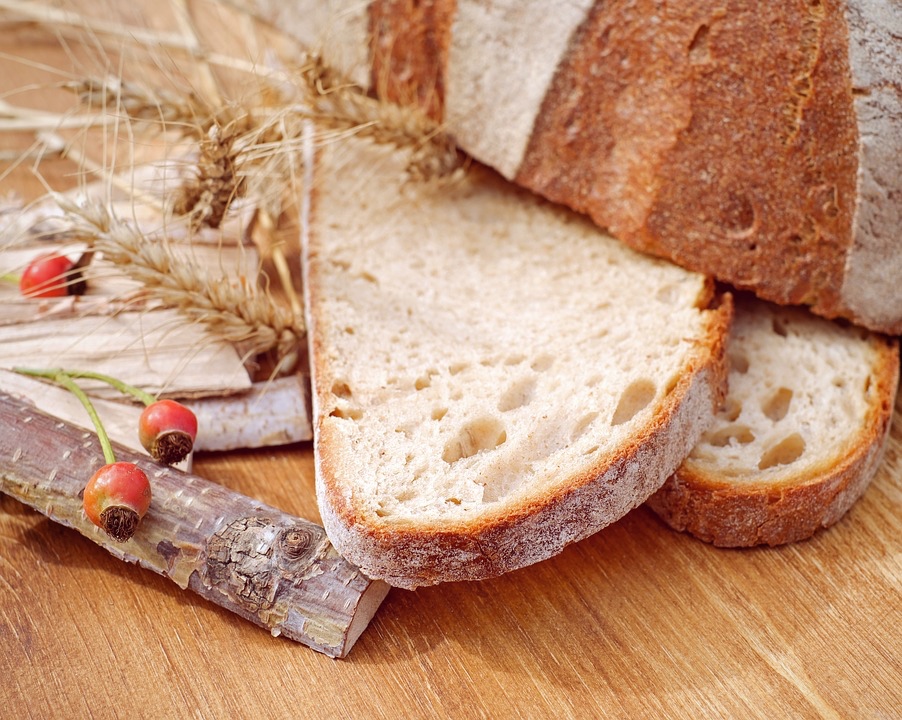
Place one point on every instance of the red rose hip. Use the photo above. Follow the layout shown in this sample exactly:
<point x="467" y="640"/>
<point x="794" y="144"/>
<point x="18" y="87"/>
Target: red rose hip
<point x="116" y="498"/>
<point x="167" y="431"/>
<point x="46" y="276"/>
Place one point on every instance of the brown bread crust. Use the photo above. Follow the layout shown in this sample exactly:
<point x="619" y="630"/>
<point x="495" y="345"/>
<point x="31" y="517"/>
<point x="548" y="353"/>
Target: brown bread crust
<point x="748" y="141"/>
<point x="723" y="138"/>
<point x="543" y="526"/>
<point x="743" y="515"/>
<point x="410" y="51"/>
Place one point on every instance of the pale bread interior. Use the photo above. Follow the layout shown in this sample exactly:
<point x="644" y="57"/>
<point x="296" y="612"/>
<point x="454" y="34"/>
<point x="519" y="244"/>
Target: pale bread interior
<point x="479" y="347"/>
<point x="799" y="395"/>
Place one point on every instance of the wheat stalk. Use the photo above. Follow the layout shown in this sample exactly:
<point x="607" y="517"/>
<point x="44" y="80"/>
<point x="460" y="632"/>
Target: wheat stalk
<point x="234" y="309"/>
<point x="241" y="150"/>
<point x="337" y="103"/>
<point x="154" y="106"/>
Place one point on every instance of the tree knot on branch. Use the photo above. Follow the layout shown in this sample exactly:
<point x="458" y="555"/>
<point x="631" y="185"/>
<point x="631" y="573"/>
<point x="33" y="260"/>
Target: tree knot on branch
<point x="252" y="559"/>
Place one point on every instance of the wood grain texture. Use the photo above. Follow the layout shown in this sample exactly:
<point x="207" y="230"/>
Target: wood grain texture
<point x="634" y="622"/>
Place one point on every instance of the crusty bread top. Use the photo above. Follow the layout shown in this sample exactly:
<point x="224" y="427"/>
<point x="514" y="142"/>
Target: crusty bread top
<point x="799" y="437"/>
<point x="725" y="140"/>
<point x="757" y="143"/>
<point x="484" y="362"/>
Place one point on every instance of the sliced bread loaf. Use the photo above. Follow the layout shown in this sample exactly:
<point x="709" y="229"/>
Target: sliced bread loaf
<point x="800" y="435"/>
<point x="756" y="142"/>
<point x="493" y="377"/>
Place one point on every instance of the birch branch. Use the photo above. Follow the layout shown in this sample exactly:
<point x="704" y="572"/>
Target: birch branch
<point x="275" y="570"/>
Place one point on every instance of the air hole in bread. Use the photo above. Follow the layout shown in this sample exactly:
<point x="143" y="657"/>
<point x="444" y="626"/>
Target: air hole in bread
<point x="485" y="433"/>
<point x="732" y="409"/>
<point x="542" y="363"/>
<point x="787" y="451"/>
<point x="456" y="368"/>
<point x="635" y="398"/>
<point x="582" y="425"/>
<point x="439" y="413"/>
<point x="369" y="277"/>
<point x="739" y="363"/>
<point x="592" y="450"/>
<point x="779" y="326"/>
<point x="729" y="435"/>
<point x="349" y="330"/>
<point x="593" y="381"/>
<point x="699" y="52"/>
<point x="514" y="359"/>
<point x="422" y="382"/>
<point x="739" y="218"/>
<point x="517" y="395"/>
<point x="341" y="390"/>
<point x="453" y="501"/>
<point x="347" y="413"/>
<point x="777" y="405"/>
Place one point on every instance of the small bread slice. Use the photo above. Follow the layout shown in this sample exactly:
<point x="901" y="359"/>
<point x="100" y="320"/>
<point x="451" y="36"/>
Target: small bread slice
<point x="493" y="377"/>
<point x="800" y="436"/>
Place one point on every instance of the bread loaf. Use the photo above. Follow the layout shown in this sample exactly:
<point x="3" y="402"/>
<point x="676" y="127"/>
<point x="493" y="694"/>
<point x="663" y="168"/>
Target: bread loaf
<point x="493" y="377"/>
<point x="755" y="142"/>
<point x="799" y="438"/>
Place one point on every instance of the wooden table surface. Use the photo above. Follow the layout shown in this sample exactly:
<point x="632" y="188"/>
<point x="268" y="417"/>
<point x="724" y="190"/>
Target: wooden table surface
<point x="635" y="622"/>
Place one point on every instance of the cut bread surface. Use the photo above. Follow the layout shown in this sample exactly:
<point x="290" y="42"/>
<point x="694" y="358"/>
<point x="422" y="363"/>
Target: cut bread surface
<point x="799" y="437"/>
<point x="494" y="377"/>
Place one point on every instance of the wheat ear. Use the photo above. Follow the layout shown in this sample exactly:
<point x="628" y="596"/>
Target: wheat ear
<point x="340" y="104"/>
<point x="234" y="309"/>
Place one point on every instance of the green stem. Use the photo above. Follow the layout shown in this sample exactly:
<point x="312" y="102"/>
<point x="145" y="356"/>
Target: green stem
<point x="63" y="379"/>
<point x="9" y="278"/>
<point x="122" y="387"/>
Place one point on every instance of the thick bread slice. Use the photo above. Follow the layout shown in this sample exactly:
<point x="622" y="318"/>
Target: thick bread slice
<point x="756" y="142"/>
<point x="799" y="438"/>
<point x="494" y="378"/>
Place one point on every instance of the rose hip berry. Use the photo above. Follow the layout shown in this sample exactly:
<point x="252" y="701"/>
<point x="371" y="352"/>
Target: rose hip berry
<point x="118" y="495"/>
<point x="116" y="498"/>
<point x="47" y="276"/>
<point x="167" y="430"/>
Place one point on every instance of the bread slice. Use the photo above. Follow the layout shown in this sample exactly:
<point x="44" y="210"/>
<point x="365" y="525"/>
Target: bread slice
<point x="756" y="142"/>
<point x="493" y="377"/>
<point x="799" y="438"/>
